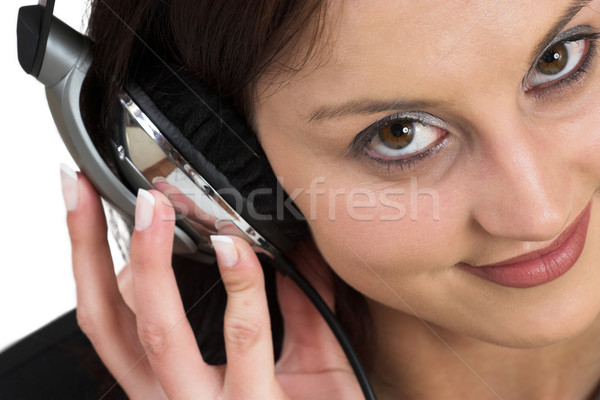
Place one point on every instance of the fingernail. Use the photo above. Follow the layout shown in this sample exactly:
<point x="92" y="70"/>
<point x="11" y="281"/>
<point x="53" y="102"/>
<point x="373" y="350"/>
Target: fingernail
<point x="159" y="179"/>
<point x="225" y="249"/>
<point x="144" y="210"/>
<point x="220" y="223"/>
<point x="70" y="189"/>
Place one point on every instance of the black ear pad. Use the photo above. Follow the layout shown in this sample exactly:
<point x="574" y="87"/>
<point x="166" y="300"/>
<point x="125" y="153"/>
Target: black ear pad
<point x="219" y="144"/>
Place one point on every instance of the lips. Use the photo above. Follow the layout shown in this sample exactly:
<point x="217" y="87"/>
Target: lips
<point x="540" y="266"/>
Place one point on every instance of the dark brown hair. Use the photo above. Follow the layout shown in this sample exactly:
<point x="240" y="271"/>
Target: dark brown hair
<point x="228" y="45"/>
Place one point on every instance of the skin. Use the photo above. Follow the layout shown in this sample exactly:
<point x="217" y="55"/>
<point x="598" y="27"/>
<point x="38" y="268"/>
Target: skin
<point x="516" y="169"/>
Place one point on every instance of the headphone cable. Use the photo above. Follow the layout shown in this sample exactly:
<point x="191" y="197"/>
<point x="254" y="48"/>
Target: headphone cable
<point x="285" y="266"/>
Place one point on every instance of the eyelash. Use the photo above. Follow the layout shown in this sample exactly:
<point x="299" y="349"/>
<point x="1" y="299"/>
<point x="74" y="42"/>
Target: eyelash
<point x="362" y="140"/>
<point x="576" y="76"/>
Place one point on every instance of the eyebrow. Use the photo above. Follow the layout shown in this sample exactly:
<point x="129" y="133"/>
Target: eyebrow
<point x="357" y="107"/>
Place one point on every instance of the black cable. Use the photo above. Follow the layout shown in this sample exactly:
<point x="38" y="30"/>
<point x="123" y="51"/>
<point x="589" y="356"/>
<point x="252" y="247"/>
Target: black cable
<point x="285" y="266"/>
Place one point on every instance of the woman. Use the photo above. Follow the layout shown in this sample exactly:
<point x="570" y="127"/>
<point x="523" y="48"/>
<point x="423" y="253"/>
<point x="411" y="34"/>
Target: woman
<point x="445" y="159"/>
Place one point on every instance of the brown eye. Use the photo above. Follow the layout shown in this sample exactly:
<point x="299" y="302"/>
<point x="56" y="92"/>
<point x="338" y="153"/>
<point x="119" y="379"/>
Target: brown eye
<point x="397" y="135"/>
<point x="553" y="60"/>
<point x="557" y="63"/>
<point x="404" y="138"/>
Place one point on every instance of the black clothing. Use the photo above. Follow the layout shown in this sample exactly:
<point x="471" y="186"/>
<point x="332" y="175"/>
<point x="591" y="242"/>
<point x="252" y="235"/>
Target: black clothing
<point x="56" y="362"/>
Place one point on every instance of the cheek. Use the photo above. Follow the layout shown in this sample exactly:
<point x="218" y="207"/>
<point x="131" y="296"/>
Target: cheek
<point x="403" y="235"/>
<point x="577" y="145"/>
<point x="574" y="125"/>
<point x="586" y="157"/>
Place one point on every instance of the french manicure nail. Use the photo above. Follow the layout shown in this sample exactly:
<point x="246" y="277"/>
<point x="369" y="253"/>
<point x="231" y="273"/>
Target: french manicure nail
<point x="159" y="179"/>
<point x="225" y="249"/>
<point x="70" y="189"/>
<point x="220" y="223"/>
<point x="144" y="210"/>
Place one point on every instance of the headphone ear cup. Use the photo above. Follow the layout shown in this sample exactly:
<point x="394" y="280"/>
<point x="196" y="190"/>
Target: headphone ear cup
<point x="219" y="144"/>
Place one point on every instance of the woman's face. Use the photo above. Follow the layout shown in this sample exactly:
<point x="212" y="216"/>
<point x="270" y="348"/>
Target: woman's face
<point x="429" y="135"/>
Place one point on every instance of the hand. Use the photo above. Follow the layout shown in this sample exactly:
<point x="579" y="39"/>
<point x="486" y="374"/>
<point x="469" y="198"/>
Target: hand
<point x="152" y="352"/>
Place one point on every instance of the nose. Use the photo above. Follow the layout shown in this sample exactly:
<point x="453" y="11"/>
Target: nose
<point x="523" y="190"/>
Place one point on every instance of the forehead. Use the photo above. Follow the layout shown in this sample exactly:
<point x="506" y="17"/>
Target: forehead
<point x="371" y="41"/>
<point x="430" y="27"/>
<point x="410" y="38"/>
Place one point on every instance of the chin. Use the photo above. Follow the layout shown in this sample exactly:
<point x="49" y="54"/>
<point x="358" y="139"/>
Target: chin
<point x="555" y="321"/>
<point x="543" y="335"/>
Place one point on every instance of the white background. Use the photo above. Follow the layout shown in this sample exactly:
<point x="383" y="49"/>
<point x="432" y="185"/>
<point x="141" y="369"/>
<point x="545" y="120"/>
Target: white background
<point x="36" y="280"/>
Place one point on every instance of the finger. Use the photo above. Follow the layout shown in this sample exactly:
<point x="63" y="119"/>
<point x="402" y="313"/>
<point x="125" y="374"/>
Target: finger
<point x="162" y="325"/>
<point x="247" y="327"/>
<point x="125" y="283"/>
<point x="307" y="335"/>
<point x="101" y="312"/>
<point x="185" y="205"/>
<point x="89" y="246"/>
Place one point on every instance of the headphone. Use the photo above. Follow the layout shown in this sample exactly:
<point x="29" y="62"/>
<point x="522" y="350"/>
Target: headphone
<point x="171" y="133"/>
